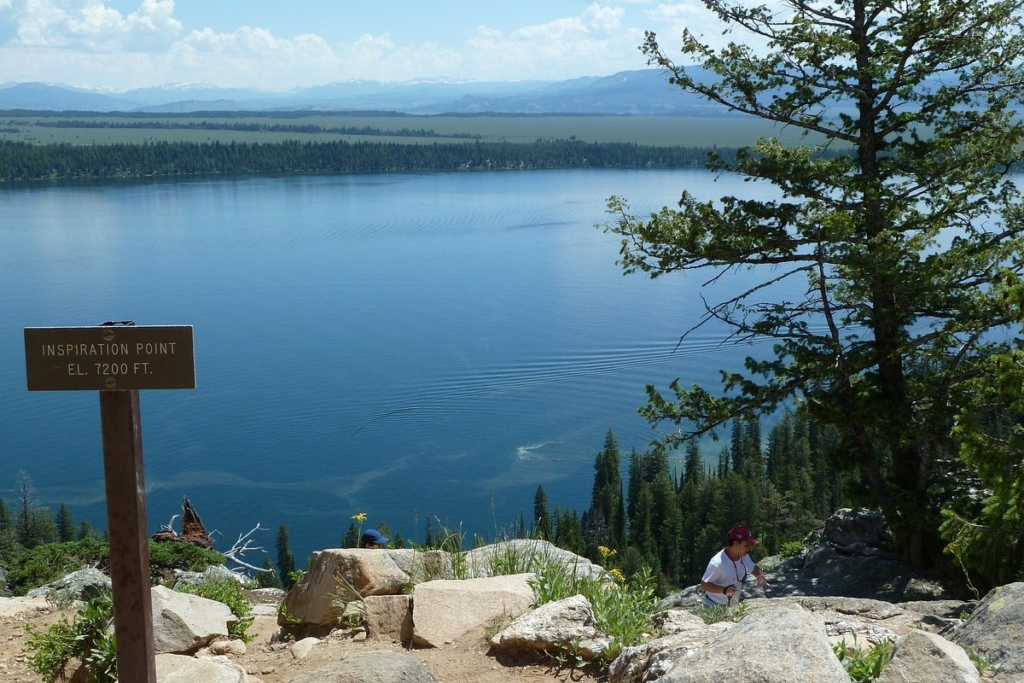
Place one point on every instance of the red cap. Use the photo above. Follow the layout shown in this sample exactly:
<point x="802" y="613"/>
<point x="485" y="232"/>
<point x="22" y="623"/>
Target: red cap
<point x="742" y="533"/>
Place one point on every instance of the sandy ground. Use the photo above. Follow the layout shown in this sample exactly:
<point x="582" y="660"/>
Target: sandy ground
<point x="463" y="661"/>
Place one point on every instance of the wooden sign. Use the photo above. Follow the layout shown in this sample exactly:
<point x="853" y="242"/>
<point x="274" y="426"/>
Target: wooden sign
<point x="109" y="358"/>
<point x="118" y="359"/>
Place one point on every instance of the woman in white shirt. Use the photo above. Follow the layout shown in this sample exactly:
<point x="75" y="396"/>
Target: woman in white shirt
<point x="728" y="569"/>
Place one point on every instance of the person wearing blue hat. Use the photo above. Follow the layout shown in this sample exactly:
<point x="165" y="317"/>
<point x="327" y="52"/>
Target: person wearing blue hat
<point x="729" y="568"/>
<point x="372" y="539"/>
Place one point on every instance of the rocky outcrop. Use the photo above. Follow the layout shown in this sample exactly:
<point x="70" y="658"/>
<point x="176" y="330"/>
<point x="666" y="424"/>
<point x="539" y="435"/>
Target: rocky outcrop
<point x="183" y="623"/>
<point x="370" y="667"/>
<point x="683" y="635"/>
<point x="335" y="578"/>
<point x="84" y="584"/>
<point x="211" y="575"/>
<point x="772" y="645"/>
<point x="923" y="656"/>
<point x="442" y="611"/>
<point x="338" y="578"/>
<point x="561" y="625"/>
<point x="995" y="630"/>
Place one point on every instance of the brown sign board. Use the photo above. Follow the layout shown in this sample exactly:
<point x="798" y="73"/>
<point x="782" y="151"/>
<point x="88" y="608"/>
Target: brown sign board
<point x="109" y="358"/>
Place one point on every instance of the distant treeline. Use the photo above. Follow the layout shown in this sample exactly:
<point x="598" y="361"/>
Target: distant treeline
<point x="308" y="129"/>
<point x="26" y="162"/>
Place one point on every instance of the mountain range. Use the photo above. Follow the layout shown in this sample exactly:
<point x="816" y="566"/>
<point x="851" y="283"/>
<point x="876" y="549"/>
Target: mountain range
<point x="644" y="92"/>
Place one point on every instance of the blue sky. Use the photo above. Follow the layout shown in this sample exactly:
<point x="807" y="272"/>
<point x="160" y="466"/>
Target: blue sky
<point x="283" y="44"/>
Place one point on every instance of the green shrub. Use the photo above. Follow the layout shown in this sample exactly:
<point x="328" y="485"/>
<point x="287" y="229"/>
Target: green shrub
<point x="87" y="638"/>
<point x="168" y="556"/>
<point x="622" y="608"/>
<point x="46" y="563"/>
<point x="791" y="549"/>
<point x="231" y="593"/>
<point x="864" y="665"/>
<point x="717" y="613"/>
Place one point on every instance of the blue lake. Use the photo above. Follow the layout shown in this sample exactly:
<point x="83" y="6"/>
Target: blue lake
<point x="408" y="346"/>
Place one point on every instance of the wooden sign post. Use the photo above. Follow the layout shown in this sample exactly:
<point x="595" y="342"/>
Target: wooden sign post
<point x="118" y="360"/>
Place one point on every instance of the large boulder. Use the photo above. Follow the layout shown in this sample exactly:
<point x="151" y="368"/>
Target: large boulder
<point x="855" y="528"/>
<point x="171" y="668"/>
<point x="335" y="578"/>
<point x="213" y="574"/>
<point x="422" y="565"/>
<point x="567" y="624"/>
<point x="444" y="610"/>
<point x="370" y="667"/>
<point x="85" y="584"/>
<point x="183" y="623"/>
<point x="685" y="634"/>
<point x="995" y="630"/>
<point x="522" y="555"/>
<point x="771" y="645"/>
<point x="922" y="657"/>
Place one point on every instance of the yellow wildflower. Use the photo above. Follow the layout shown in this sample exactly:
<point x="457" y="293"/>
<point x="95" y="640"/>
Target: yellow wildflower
<point x="361" y="517"/>
<point x="617" y="575"/>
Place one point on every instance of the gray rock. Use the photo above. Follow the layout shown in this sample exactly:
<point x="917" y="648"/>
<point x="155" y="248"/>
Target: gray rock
<point x="422" y="565"/>
<point x="687" y="634"/>
<point x="370" y="667"/>
<point x="563" y="623"/>
<point x="854" y="528"/>
<point x="388" y="617"/>
<point x="922" y="657"/>
<point x="233" y="647"/>
<point x="442" y="611"/>
<point x="522" y="555"/>
<point x="335" y="578"/>
<point x="265" y="596"/>
<point x="995" y="630"/>
<point x="211" y="575"/>
<point x="171" y="668"/>
<point x="771" y="645"/>
<point x="301" y="648"/>
<point x="85" y="584"/>
<point x="183" y="623"/>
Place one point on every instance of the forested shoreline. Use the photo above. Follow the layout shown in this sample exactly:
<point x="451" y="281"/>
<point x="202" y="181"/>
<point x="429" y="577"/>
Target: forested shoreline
<point x="26" y="162"/>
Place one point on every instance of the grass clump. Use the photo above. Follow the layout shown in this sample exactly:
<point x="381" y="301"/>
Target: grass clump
<point x="622" y="607"/>
<point x="230" y="593"/>
<point x="864" y="664"/>
<point x="717" y="613"/>
<point x="87" y="638"/>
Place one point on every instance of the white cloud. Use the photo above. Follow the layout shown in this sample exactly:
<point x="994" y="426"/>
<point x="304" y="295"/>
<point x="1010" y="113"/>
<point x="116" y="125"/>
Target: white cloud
<point x="593" y="43"/>
<point x="250" y="56"/>
<point x="92" y="26"/>
<point x="88" y="42"/>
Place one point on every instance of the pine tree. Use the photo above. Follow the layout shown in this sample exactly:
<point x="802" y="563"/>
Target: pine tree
<point x="34" y="523"/>
<point x="285" y="558"/>
<point x="541" y="515"/>
<point x="351" y="539"/>
<point x="902" y="230"/>
<point x="606" y="517"/>
<point x="6" y="520"/>
<point x="65" y="525"/>
<point x="269" y="578"/>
